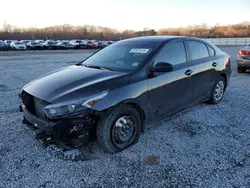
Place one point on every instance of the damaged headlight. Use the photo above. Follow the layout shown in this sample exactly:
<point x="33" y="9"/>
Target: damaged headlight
<point x="73" y="108"/>
<point x="53" y="111"/>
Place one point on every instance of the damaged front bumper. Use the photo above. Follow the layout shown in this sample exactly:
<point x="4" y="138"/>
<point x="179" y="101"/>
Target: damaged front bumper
<point x="63" y="133"/>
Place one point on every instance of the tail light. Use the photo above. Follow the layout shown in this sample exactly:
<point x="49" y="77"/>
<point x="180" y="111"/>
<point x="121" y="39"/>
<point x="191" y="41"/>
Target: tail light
<point x="244" y="52"/>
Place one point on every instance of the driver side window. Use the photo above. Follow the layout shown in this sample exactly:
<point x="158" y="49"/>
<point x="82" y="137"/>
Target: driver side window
<point x="174" y="54"/>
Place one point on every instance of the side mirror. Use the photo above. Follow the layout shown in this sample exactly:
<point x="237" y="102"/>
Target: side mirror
<point x="162" y="67"/>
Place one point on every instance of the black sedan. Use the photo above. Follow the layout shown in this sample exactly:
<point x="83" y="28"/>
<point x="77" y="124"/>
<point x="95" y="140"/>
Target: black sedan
<point x="102" y="44"/>
<point x="34" y="46"/>
<point x="50" y="45"/>
<point x="115" y="94"/>
<point x="65" y="45"/>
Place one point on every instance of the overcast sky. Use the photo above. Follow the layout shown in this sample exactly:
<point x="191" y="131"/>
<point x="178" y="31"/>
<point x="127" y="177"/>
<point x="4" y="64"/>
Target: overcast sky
<point x="124" y="14"/>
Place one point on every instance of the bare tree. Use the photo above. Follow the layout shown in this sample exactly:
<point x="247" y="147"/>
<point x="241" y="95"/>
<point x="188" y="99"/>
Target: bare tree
<point x="68" y="31"/>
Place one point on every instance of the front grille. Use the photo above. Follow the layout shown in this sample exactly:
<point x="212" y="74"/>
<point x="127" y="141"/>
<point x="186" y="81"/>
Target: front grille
<point x="39" y="105"/>
<point x="28" y="101"/>
<point x="34" y="105"/>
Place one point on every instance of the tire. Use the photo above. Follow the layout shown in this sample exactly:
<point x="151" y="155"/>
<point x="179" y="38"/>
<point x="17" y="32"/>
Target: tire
<point x="241" y="69"/>
<point x="217" y="97"/>
<point x="110" y="128"/>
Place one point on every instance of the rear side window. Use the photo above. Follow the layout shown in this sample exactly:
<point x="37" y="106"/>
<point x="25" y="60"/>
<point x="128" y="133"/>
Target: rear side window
<point x="198" y="50"/>
<point x="173" y="53"/>
<point x="211" y="50"/>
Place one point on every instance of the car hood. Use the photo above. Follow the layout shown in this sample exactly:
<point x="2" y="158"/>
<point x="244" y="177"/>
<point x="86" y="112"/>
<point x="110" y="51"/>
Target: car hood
<point x="74" y="82"/>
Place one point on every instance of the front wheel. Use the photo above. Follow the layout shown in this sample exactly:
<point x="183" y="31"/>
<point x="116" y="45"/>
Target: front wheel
<point x="119" y="129"/>
<point x="218" y="91"/>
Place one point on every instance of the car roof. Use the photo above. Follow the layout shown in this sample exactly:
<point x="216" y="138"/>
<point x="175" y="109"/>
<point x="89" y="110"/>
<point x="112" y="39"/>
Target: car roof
<point x="159" y="39"/>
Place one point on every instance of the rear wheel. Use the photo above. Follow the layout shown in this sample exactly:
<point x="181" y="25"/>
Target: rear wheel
<point x="241" y="69"/>
<point x="218" y="91"/>
<point x="119" y="129"/>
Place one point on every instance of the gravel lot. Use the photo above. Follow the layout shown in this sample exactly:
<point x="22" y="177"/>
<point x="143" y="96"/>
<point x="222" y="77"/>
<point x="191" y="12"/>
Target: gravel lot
<point x="204" y="146"/>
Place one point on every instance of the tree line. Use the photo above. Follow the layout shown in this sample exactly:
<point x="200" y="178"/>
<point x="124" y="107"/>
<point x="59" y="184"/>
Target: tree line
<point x="67" y="31"/>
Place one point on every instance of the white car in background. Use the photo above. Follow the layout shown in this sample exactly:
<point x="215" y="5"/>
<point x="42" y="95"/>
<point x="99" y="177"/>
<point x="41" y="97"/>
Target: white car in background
<point x="17" y="45"/>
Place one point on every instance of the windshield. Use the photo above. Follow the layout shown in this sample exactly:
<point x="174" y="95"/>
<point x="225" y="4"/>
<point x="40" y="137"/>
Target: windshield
<point x="18" y="43"/>
<point x="125" y="56"/>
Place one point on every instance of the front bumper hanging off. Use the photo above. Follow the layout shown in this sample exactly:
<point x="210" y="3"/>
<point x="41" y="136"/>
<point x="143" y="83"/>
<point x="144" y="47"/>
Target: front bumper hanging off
<point x="63" y="133"/>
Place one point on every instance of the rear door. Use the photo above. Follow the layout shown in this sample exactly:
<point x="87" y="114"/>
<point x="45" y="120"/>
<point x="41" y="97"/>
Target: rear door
<point x="170" y="91"/>
<point x="203" y="58"/>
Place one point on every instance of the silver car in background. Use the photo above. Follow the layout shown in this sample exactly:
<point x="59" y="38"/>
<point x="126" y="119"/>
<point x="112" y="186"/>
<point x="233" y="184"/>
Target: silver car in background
<point x="17" y="45"/>
<point x="243" y="59"/>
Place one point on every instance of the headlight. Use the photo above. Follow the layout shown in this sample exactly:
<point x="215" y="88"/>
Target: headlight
<point x="54" y="111"/>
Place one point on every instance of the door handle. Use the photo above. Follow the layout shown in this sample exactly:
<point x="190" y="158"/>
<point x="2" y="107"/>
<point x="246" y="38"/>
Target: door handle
<point x="214" y="64"/>
<point x="188" y="72"/>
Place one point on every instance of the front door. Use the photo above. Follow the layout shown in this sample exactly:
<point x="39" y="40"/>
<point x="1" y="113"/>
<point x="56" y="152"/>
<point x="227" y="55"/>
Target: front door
<point x="171" y="91"/>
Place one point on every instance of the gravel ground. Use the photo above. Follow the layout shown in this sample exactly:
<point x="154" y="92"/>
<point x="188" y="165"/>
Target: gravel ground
<point x="204" y="146"/>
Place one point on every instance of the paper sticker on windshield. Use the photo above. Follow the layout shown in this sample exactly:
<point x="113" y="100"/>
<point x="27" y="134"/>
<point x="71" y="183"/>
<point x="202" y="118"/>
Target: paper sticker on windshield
<point x="139" y="50"/>
<point x="135" y="64"/>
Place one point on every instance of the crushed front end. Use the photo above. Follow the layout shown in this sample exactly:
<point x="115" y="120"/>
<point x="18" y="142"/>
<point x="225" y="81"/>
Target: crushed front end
<point x="64" y="131"/>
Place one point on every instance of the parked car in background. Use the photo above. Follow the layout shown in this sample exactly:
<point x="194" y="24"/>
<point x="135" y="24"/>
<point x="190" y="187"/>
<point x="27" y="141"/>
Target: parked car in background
<point x="115" y="94"/>
<point x="78" y="43"/>
<point x="8" y="43"/>
<point x="65" y="45"/>
<point x="34" y="46"/>
<point x="91" y="45"/>
<point x="50" y="45"/>
<point x="243" y="59"/>
<point x="102" y="44"/>
<point x="3" y="46"/>
<point x="110" y="42"/>
<point x="25" y="41"/>
<point x="17" y="45"/>
<point x="39" y="41"/>
<point x="62" y="44"/>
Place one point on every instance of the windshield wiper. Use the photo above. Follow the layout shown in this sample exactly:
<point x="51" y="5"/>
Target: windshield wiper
<point x="96" y="67"/>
